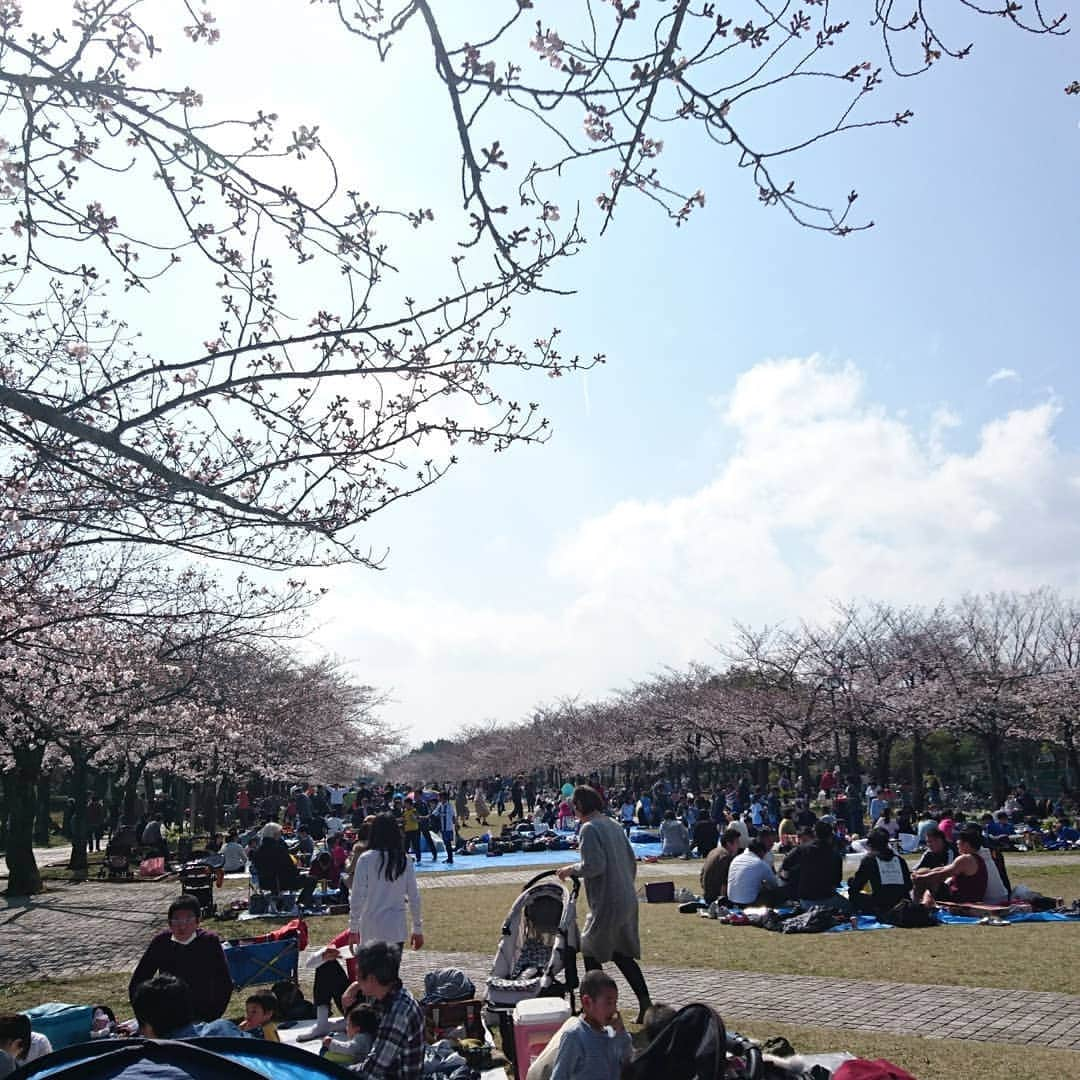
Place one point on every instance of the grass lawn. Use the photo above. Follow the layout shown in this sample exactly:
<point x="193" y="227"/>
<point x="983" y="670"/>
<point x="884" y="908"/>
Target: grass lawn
<point x="955" y="955"/>
<point x="926" y="1059"/>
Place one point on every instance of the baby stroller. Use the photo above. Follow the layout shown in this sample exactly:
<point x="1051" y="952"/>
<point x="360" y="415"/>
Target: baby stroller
<point x="197" y="879"/>
<point x="117" y="864"/>
<point x="537" y="954"/>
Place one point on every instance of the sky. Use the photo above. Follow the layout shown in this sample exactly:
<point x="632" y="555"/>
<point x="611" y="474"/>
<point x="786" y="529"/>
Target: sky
<point x="785" y="419"/>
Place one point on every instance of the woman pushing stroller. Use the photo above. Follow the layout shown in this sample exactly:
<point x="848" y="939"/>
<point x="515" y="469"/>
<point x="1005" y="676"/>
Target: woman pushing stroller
<point x="608" y="867"/>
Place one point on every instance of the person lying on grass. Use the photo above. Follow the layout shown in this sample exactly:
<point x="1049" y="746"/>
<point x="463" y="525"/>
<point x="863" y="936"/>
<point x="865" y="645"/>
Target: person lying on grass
<point x="598" y="1045"/>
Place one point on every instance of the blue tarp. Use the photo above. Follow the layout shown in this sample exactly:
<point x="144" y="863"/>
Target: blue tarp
<point x="197" y="1059"/>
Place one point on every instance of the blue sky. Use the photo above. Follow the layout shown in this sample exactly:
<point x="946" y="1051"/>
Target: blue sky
<point x="785" y="418"/>
<point x="630" y="542"/>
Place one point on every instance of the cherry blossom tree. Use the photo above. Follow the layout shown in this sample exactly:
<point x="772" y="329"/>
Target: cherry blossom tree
<point x="283" y="424"/>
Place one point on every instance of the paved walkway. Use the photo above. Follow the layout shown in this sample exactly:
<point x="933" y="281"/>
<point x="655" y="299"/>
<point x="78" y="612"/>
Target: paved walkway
<point x="97" y="926"/>
<point x="926" y="1011"/>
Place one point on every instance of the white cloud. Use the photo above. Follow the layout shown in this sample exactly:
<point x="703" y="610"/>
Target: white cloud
<point x="826" y="495"/>
<point x="1005" y="374"/>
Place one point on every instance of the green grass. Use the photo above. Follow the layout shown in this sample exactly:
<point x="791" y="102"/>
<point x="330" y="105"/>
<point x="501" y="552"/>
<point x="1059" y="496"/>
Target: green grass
<point x="926" y="1059"/>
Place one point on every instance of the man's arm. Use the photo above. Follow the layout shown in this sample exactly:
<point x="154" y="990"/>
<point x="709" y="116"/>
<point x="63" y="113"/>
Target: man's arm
<point x="146" y="968"/>
<point x="962" y="864"/>
<point x="218" y="974"/>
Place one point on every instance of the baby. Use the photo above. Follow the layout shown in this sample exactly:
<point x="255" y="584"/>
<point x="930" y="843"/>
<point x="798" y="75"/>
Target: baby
<point x="361" y="1024"/>
<point x="260" y="1016"/>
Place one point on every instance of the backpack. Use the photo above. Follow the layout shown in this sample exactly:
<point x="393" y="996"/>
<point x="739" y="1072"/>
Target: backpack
<point x="909" y="915"/>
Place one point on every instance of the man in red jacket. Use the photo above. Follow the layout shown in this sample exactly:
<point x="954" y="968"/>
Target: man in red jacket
<point x="191" y="954"/>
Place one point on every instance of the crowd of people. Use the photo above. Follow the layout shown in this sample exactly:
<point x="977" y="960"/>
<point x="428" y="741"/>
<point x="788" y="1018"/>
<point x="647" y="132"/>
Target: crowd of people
<point x="777" y="846"/>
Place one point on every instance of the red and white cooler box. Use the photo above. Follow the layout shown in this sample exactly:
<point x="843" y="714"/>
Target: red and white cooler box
<point x="535" y="1022"/>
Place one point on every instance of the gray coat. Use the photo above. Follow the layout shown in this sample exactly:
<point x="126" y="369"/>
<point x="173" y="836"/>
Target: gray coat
<point x="608" y="867"/>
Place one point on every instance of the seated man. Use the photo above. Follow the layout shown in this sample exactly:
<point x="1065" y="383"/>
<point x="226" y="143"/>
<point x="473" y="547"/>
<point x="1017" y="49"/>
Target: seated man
<point x="162" y="1007"/>
<point x="999" y="827"/>
<point x="1064" y="837"/>
<point x="714" y="872"/>
<point x="153" y="839"/>
<point x="885" y="872"/>
<point x="939" y="852"/>
<point x="674" y="837"/>
<point x="234" y="855"/>
<point x="706" y="834"/>
<point x="749" y="875"/>
<point x="274" y="867"/>
<point x="398" y="1050"/>
<point x="191" y="954"/>
<point x="814" y="870"/>
<point x="965" y="876"/>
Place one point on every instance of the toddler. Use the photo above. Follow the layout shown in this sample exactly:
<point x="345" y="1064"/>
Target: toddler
<point x="361" y="1025"/>
<point x="260" y="1016"/>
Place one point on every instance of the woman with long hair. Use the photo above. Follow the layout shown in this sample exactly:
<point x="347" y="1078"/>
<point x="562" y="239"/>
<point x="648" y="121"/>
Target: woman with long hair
<point x="608" y="867"/>
<point x="384" y="881"/>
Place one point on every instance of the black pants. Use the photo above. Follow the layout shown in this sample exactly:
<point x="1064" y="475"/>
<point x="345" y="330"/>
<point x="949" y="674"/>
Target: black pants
<point x="631" y="972"/>
<point x="330" y="983"/>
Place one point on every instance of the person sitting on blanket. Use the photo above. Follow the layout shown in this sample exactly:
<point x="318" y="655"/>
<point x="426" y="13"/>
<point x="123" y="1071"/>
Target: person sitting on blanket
<point x="163" y="1009"/>
<point x="673" y="836"/>
<point x="1064" y="837"/>
<point x="361" y="1026"/>
<point x="813" y="870"/>
<point x="191" y="954"/>
<point x="965" y="876"/>
<point x="234" y="855"/>
<point x="750" y="876"/>
<point x="398" y="1050"/>
<point x="939" y="852"/>
<point x="717" y="865"/>
<point x="885" y="872"/>
<point x="261" y="1014"/>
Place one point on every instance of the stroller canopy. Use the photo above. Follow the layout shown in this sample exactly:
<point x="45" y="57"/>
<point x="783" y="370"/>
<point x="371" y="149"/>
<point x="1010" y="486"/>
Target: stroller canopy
<point x="199" y="1059"/>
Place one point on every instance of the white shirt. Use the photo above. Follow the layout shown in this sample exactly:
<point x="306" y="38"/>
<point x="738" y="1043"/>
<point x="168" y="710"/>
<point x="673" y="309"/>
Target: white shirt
<point x="334" y="825"/>
<point x="444" y="815"/>
<point x="39" y="1046"/>
<point x="337" y="795"/>
<point x="235" y="857"/>
<point x="744" y="832"/>
<point x="377" y="906"/>
<point x="746" y="875"/>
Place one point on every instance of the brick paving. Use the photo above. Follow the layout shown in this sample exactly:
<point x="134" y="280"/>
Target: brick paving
<point x="98" y="926"/>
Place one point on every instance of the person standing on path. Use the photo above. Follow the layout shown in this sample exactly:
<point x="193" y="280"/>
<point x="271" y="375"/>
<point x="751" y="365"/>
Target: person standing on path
<point x="608" y="867"/>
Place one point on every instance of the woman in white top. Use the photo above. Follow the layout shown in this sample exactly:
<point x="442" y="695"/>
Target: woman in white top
<point x="384" y="880"/>
<point x="888" y="823"/>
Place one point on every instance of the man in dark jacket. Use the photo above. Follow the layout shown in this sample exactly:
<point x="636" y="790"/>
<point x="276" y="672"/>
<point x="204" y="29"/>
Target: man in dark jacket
<point x="814" y="870"/>
<point x="191" y="954"/>
<point x="714" y="871"/>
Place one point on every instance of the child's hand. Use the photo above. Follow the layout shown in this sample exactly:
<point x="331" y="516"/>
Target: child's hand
<point x="327" y="1039"/>
<point x="617" y="1023"/>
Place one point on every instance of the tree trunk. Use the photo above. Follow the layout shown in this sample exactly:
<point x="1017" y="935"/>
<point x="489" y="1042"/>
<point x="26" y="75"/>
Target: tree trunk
<point x="24" y="878"/>
<point x="210" y="806"/>
<point x="4" y="801"/>
<point x="131" y="788"/>
<point x="916" y="771"/>
<point x="43" y="819"/>
<point x="885" y="744"/>
<point x="79" y="792"/>
<point x="996" y="766"/>
<point x="853" y="752"/>
<point x="1072" y="757"/>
